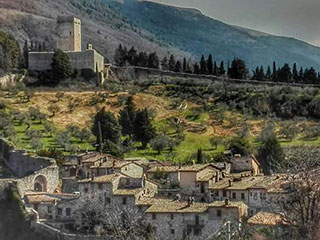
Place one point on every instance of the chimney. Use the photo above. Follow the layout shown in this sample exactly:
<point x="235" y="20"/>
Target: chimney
<point x="89" y="46"/>
<point x="230" y="183"/>
<point x="226" y="202"/>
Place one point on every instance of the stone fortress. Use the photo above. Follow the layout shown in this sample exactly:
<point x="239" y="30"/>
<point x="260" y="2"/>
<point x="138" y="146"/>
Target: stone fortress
<point x="70" y="41"/>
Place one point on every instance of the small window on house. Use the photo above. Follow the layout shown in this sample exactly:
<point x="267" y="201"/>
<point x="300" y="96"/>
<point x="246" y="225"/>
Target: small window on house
<point x="242" y="196"/>
<point x="70" y="33"/>
<point x="59" y="211"/>
<point x="197" y="232"/>
<point x="224" y="193"/>
<point x="68" y="211"/>
<point x="234" y="195"/>
<point x="219" y="213"/>
<point x="124" y="201"/>
<point x="86" y="190"/>
<point x="172" y="216"/>
<point x="255" y="196"/>
<point x="49" y="209"/>
<point x="100" y="186"/>
<point x="154" y="216"/>
<point x="127" y="181"/>
<point x="172" y="231"/>
<point x="107" y="200"/>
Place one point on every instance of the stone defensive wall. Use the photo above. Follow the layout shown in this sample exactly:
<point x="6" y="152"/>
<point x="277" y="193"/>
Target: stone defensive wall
<point x="32" y="173"/>
<point x="134" y="72"/>
<point x="89" y="59"/>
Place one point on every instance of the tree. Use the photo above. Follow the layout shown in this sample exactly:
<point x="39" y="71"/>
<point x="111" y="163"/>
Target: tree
<point x="127" y="118"/>
<point x="210" y="64"/>
<point x="270" y="152"/>
<point x="36" y="143"/>
<point x="222" y="71"/>
<point x="172" y="63"/>
<point x="268" y="73"/>
<point x="31" y="133"/>
<point x="153" y="61"/>
<point x="25" y="55"/>
<point x="61" y="66"/>
<point x="132" y="57"/>
<point x="196" y="69"/>
<point x="238" y="69"/>
<point x="159" y="143"/>
<point x="284" y="74"/>
<point x="203" y="65"/>
<point x="63" y="138"/>
<point x="199" y="156"/>
<point x="178" y="67"/>
<point x="295" y="73"/>
<point x="239" y="145"/>
<point x="143" y="59"/>
<point x="185" y="65"/>
<point x="143" y="129"/>
<point x="165" y="63"/>
<point x="53" y="108"/>
<point x="73" y="129"/>
<point x="106" y="127"/>
<point x="310" y="76"/>
<point x="49" y="128"/>
<point x="120" y="56"/>
<point x="84" y="134"/>
<point x="215" y="141"/>
<point x="274" y="72"/>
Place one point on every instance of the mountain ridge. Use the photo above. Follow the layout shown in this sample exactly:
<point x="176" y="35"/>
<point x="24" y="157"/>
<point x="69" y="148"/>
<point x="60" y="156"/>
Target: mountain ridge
<point x="150" y="26"/>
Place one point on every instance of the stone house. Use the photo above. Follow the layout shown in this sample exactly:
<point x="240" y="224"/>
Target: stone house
<point x="185" y="220"/>
<point x="245" y="164"/>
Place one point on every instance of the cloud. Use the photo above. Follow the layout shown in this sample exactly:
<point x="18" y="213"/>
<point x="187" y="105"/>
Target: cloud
<point x="292" y="18"/>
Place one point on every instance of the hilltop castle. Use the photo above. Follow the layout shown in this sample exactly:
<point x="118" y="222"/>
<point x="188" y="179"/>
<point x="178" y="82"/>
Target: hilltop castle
<point x="70" y="41"/>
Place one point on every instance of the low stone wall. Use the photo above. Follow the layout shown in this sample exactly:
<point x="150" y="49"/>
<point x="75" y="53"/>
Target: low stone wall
<point x="51" y="232"/>
<point x="28" y="168"/>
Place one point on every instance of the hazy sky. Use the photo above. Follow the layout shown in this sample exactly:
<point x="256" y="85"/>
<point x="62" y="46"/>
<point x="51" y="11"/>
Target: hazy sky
<point x="294" y="18"/>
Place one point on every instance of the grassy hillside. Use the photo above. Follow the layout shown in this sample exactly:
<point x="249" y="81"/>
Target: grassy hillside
<point x="200" y="119"/>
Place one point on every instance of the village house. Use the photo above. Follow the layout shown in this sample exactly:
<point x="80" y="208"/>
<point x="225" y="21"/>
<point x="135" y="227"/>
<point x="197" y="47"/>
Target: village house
<point x="245" y="164"/>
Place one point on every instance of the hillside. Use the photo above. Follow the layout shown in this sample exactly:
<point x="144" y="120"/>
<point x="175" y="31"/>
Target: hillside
<point x="153" y="27"/>
<point x="191" y="31"/>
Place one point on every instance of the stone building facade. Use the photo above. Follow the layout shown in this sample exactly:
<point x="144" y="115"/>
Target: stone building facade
<point x="70" y="41"/>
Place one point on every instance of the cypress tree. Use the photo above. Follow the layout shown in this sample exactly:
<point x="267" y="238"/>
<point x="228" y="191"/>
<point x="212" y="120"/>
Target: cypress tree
<point x="196" y="69"/>
<point x="210" y="64"/>
<point x="268" y="74"/>
<point x="25" y="54"/>
<point x="184" y="65"/>
<point x="295" y="73"/>
<point x="178" y="67"/>
<point x="165" y="63"/>
<point x="199" y="156"/>
<point x="143" y="129"/>
<point x="274" y="72"/>
<point x="203" y="65"/>
<point x="222" y="71"/>
<point x="61" y="66"/>
<point x="301" y="75"/>
<point x="261" y="74"/>
<point x="172" y="63"/>
<point x="215" y="69"/>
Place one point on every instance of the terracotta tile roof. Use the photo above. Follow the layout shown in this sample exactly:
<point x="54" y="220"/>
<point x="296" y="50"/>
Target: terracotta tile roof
<point x="205" y="175"/>
<point x="266" y="218"/>
<point x="184" y="168"/>
<point x="95" y="158"/>
<point x="171" y="206"/>
<point x="48" y="197"/>
<point x="144" y="201"/>
<point x="168" y="169"/>
<point x="127" y="192"/>
<point x="102" y="179"/>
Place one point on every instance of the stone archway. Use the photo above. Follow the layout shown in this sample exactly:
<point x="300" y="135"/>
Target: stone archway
<point x="40" y="184"/>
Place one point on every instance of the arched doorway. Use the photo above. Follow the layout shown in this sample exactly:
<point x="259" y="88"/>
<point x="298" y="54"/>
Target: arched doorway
<point x="40" y="184"/>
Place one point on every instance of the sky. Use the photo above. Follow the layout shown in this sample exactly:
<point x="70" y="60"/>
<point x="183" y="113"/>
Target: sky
<point x="293" y="18"/>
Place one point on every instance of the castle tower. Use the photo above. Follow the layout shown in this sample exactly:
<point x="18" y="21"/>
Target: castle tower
<point x="69" y="34"/>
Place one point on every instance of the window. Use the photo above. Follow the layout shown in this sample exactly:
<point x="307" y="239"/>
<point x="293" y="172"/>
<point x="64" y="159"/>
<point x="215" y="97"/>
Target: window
<point x="234" y="195"/>
<point x="154" y="216"/>
<point x="197" y="232"/>
<point x="86" y="190"/>
<point x="172" y="231"/>
<point x="59" y="211"/>
<point x="219" y="213"/>
<point x="242" y="196"/>
<point x="49" y="209"/>
<point x="171" y="216"/>
<point x="100" y="186"/>
<point x="224" y="193"/>
<point x="197" y="220"/>
<point x="107" y="200"/>
<point x="255" y="196"/>
<point x="124" y="201"/>
<point x="68" y="211"/>
<point x="127" y="181"/>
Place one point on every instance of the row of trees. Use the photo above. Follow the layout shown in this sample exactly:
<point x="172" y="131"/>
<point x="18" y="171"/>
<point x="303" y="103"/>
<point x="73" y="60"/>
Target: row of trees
<point x="285" y="74"/>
